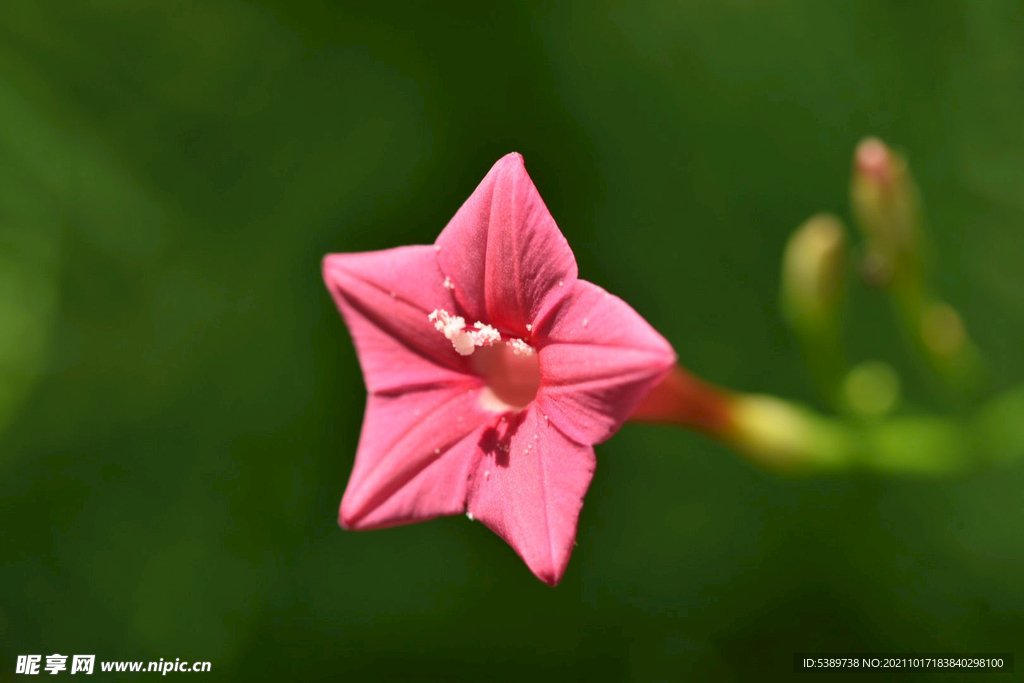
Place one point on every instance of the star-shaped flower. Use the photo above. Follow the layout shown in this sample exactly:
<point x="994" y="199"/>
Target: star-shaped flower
<point x="491" y="371"/>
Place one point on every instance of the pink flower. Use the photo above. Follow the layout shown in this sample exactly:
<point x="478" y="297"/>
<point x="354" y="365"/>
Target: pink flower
<point x="491" y="371"/>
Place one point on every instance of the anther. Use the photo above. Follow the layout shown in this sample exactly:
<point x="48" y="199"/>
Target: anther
<point x="521" y="348"/>
<point x="453" y="327"/>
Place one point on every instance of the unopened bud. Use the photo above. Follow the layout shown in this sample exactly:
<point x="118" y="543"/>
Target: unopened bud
<point x="943" y="330"/>
<point x="886" y="205"/>
<point x="871" y="389"/>
<point x="813" y="271"/>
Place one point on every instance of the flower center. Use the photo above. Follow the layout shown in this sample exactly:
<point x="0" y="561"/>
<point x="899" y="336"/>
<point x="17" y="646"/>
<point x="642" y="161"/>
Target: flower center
<point x="510" y="371"/>
<point x="511" y="379"/>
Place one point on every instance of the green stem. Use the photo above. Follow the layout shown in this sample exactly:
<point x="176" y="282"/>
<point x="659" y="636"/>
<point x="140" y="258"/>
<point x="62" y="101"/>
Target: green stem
<point x="781" y="435"/>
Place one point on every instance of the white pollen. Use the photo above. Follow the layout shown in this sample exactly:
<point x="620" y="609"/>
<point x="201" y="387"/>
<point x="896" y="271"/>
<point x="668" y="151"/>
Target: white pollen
<point x="529" y="327"/>
<point x="521" y="348"/>
<point x="448" y="284"/>
<point x="545" y="417"/>
<point x="463" y="344"/>
<point x="585" y="322"/>
<point x="469" y="516"/>
<point x="437" y="451"/>
<point x="437" y="247"/>
<point x="453" y="327"/>
<point x="487" y="473"/>
<point x="485" y="335"/>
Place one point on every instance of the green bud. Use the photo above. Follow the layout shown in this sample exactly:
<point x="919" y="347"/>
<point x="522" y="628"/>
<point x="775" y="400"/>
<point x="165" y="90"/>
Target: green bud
<point x="813" y="271"/>
<point x="813" y="286"/>
<point x="871" y="389"/>
<point x="885" y="203"/>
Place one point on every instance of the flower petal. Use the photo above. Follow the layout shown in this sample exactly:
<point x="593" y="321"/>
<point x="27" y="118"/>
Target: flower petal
<point x="416" y="453"/>
<point x="599" y="360"/>
<point x="531" y="493"/>
<point x="385" y="298"/>
<point x="508" y="260"/>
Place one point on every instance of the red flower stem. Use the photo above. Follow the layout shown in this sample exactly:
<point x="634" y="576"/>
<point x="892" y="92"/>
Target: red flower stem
<point x="684" y="400"/>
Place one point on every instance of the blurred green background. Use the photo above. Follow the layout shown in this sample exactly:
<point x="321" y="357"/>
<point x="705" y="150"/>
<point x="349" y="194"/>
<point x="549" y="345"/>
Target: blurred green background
<point x="180" y="401"/>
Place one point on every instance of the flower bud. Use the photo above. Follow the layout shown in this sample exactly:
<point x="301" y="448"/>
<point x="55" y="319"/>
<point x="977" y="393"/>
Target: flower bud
<point x="871" y="389"/>
<point x="813" y="279"/>
<point x="813" y="271"/>
<point x="942" y="329"/>
<point x="886" y="205"/>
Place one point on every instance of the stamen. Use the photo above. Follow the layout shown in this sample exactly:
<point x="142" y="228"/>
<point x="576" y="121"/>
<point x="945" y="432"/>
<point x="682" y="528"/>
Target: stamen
<point x="447" y="323"/>
<point x="486" y="335"/>
<point x="521" y="348"/>
<point x="463" y="343"/>
<point x="453" y="327"/>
